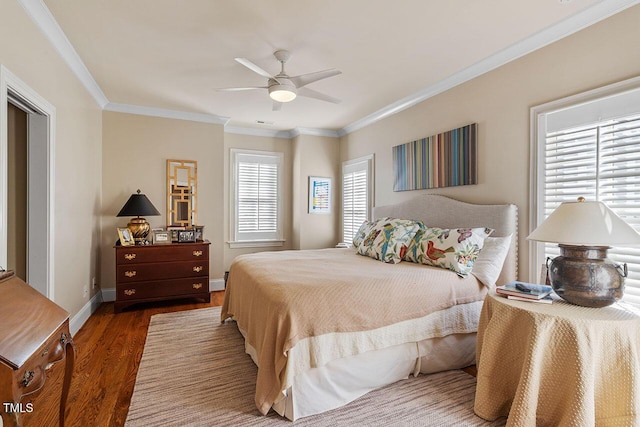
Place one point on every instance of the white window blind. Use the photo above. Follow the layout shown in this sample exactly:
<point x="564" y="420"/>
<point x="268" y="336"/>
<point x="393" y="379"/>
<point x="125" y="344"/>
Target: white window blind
<point x="256" y="212"/>
<point x="599" y="161"/>
<point x="356" y="195"/>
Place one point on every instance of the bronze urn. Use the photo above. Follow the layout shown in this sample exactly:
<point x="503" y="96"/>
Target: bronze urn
<point x="583" y="275"/>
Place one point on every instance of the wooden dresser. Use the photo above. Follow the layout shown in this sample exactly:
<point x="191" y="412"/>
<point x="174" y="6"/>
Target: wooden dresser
<point x="161" y="272"/>
<point x="34" y="334"/>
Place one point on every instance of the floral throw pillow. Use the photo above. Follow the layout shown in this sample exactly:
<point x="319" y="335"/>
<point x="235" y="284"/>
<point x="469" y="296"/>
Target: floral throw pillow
<point x="362" y="233"/>
<point x="388" y="239"/>
<point x="455" y="249"/>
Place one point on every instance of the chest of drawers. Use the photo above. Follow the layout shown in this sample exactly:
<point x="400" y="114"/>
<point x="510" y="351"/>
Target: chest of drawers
<point x="161" y="272"/>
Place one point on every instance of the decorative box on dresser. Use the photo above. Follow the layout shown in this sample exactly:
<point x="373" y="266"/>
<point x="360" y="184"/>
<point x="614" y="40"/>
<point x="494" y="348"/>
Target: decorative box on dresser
<point x="34" y="335"/>
<point x="146" y="273"/>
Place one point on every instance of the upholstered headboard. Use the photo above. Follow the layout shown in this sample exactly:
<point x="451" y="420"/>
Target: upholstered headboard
<point x="444" y="212"/>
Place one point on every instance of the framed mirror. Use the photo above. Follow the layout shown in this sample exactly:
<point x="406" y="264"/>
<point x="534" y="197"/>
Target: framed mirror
<point x="182" y="183"/>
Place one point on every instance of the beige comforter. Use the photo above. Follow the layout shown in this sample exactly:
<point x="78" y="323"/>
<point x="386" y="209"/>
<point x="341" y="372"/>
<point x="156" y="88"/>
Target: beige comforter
<point x="279" y="298"/>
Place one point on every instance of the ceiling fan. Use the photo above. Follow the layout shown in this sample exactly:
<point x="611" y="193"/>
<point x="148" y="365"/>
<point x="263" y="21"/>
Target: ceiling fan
<point x="284" y="88"/>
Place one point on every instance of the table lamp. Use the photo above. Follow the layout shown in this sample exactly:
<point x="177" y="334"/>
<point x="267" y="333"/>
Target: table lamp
<point x="584" y="231"/>
<point x="138" y="205"/>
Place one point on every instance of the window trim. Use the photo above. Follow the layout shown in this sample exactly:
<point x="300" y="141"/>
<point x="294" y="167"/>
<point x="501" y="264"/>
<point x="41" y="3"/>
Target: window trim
<point x="234" y="240"/>
<point x="537" y="137"/>
<point x="369" y="159"/>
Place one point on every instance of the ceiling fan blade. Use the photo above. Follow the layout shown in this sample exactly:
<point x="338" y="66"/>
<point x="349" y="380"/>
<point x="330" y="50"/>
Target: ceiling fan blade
<point x="305" y="79"/>
<point x="236" y="89"/>
<point x="310" y="93"/>
<point x="276" y="106"/>
<point x="253" y="67"/>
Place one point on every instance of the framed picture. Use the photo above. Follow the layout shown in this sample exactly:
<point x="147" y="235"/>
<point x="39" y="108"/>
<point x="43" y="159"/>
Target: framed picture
<point x="185" y="236"/>
<point x="161" y="237"/>
<point x="173" y="231"/>
<point x="125" y="236"/>
<point x="199" y="232"/>
<point x="319" y="195"/>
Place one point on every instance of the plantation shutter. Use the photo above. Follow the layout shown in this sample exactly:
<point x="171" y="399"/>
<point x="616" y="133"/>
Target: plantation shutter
<point x="356" y="199"/>
<point x="599" y="161"/>
<point x="257" y="201"/>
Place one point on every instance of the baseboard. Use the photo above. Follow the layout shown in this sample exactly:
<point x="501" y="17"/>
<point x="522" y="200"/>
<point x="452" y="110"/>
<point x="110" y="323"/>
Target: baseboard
<point x="109" y="294"/>
<point x="85" y="312"/>
<point x="216" y="285"/>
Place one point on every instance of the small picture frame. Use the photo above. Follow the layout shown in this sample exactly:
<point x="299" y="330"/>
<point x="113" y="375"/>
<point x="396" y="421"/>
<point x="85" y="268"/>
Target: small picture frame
<point x="319" y="195"/>
<point x="199" y="229"/>
<point x="186" y="236"/>
<point x="125" y="236"/>
<point x="174" y="229"/>
<point x="161" y="237"/>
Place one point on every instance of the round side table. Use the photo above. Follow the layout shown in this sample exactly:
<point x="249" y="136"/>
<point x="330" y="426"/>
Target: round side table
<point x="558" y="364"/>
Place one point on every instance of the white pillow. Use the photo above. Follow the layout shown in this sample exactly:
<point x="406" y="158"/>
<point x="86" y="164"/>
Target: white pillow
<point x="490" y="260"/>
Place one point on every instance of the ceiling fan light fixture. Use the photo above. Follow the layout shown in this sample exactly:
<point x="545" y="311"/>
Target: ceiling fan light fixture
<point x="282" y="93"/>
<point x="281" y="87"/>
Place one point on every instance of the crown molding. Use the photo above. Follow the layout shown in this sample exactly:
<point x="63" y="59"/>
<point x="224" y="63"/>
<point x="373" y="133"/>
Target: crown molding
<point x="44" y="20"/>
<point x="168" y="114"/>
<point x="315" y="132"/>
<point x="269" y="133"/>
<point x="573" y="24"/>
<point x="285" y="134"/>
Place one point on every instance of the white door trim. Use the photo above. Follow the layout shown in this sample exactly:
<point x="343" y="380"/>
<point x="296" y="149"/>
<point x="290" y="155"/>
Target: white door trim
<point x="12" y="85"/>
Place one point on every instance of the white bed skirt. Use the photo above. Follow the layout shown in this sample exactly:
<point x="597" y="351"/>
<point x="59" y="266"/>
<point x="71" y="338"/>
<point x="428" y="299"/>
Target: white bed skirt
<point x="344" y="380"/>
<point x="333" y="379"/>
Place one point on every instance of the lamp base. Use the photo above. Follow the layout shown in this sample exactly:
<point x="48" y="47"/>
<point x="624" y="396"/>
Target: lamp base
<point x="139" y="229"/>
<point x="583" y="275"/>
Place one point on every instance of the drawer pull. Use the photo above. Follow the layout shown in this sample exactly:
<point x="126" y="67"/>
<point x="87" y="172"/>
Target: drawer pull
<point x="197" y="253"/>
<point x="45" y="351"/>
<point x="197" y="269"/>
<point x="130" y="257"/>
<point x="130" y="273"/>
<point x="28" y="377"/>
<point x="129" y="292"/>
<point x="65" y="339"/>
<point x="197" y="285"/>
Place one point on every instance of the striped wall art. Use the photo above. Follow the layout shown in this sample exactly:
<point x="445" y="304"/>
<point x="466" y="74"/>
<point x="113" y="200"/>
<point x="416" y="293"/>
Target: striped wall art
<point x="443" y="160"/>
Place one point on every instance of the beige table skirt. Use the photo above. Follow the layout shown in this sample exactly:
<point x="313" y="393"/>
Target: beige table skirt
<point x="558" y="364"/>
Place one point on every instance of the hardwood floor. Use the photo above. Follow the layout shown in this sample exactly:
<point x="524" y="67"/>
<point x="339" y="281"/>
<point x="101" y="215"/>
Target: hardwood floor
<point x="109" y="347"/>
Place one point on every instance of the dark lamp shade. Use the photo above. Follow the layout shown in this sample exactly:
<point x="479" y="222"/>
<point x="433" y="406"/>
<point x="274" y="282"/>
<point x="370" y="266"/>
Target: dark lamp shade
<point x="138" y="205"/>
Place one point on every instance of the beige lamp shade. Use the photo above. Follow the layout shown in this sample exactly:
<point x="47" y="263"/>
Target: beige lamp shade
<point x="586" y="224"/>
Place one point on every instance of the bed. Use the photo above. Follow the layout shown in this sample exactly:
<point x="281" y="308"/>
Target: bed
<point x="327" y="326"/>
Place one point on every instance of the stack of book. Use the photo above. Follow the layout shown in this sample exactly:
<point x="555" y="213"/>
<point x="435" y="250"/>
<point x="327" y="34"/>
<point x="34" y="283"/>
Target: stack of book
<point x="523" y="291"/>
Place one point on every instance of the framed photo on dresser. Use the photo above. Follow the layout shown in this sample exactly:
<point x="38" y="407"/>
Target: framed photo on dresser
<point x="125" y="236"/>
<point x="161" y="237"/>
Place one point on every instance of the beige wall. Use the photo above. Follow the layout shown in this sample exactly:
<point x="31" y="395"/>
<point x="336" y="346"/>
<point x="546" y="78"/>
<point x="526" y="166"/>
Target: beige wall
<point x="499" y="102"/>
<point x="135" y="151"/>
<point x="77" y="172"/>
<point x="315" y="156"/>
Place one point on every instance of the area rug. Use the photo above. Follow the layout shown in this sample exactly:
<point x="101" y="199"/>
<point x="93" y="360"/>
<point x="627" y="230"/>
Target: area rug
<point x="194" y="372"/>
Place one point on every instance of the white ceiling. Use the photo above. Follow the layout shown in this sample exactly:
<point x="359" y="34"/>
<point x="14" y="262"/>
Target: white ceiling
<point x="170" y="55"/>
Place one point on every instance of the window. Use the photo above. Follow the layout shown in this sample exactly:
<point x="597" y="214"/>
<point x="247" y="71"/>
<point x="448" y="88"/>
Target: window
<point x="357" y="195"/>
<point x="591" y="149"/>
<point x="256" y="208"/>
